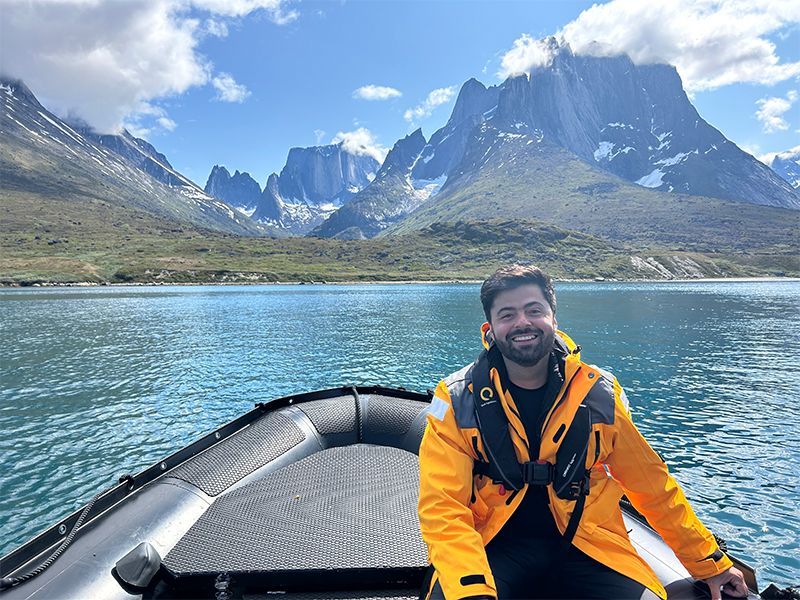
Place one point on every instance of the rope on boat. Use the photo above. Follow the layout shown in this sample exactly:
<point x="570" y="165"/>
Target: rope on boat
<point x="9" y="582"/>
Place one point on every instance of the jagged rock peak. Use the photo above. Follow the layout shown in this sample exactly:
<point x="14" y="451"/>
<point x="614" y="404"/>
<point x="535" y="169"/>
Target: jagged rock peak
<point x="16" y="88"/>
<point x="473" y="99"/>
<point x="403" y="154"/>
<point x="240" y="190"/>
<point x="270" y="207"/>
<point x="787" y="165"/>
<point x="218" y="177"/>
<point x="636" y="122"/>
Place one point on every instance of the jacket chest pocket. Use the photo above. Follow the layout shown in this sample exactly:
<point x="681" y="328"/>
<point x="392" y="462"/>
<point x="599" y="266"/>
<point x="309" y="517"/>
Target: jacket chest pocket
<point x="605" y="446"/>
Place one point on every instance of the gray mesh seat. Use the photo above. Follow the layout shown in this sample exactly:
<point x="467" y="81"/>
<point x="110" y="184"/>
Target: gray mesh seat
<point x="342" y="509"/>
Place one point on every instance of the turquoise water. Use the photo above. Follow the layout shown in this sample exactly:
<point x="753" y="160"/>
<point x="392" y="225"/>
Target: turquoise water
<point x="97" y="382"/>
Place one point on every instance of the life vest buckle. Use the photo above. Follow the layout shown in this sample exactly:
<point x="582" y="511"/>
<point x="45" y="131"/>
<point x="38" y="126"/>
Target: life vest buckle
<point x="538" y="472"/>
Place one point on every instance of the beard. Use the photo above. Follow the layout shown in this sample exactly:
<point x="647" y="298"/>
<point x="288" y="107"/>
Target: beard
<point x="529" y="355"/>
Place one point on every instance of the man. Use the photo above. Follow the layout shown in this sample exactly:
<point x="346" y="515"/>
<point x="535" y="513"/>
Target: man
<point x="513" y="503"/>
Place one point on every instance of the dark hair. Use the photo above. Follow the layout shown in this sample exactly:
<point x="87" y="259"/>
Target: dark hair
<point x="511" y="277"/>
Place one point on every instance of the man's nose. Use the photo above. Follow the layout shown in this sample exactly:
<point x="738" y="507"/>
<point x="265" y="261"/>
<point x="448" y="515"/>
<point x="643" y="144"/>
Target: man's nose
<point x="523" y="320"/>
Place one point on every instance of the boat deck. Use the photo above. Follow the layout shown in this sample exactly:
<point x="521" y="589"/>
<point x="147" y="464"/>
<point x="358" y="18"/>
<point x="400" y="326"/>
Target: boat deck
<point x="306" y="497"/>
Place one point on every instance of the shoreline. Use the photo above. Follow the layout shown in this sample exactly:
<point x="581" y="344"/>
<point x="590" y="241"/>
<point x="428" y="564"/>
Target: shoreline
<point x="404" y="282"/>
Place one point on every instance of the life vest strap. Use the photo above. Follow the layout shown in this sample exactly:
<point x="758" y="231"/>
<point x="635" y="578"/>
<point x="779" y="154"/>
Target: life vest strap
<point x="538" y="472"/>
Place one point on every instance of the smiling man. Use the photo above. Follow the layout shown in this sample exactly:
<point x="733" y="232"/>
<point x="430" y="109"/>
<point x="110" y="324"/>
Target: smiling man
<point x="524" y="460"/>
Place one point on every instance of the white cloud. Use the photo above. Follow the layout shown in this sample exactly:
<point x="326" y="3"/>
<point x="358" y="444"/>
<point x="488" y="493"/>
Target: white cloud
<point x="361" y="142"/>
<point x="167" y="123"/>
<point x="281" y="18"/>
<point x="772" y="110"/>
<point x="228" y="90"/>
<point x="216" y="28"/>
<point x="527" y="54"/>
<point x="376" y="92"/>
<point x="319" y="134"/>
<point x="750" y="147"/>
<point x="712" y="43"/>
<point x="110" y="62"/>
<point x="435" y="98"/>
<point x="238" y="8"/>
<point x="790" y="154"/>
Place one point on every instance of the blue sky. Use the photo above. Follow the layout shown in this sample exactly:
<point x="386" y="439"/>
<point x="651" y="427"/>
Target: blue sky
<point x="240" y="82"/>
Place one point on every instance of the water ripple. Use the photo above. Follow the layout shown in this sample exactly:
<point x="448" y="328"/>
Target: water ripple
<point x="101" y="382"/>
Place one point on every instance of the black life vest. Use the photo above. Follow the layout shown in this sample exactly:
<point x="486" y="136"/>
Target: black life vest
<point x="569" y="475"/>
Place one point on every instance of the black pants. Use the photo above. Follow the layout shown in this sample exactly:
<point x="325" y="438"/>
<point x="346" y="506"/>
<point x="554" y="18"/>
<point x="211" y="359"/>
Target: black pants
<point x="522" y="569"/>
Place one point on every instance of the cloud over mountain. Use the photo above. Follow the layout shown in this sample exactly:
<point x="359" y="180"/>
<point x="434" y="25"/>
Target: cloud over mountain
<point x="110" y="63"/>
<point x="228" y="90"/>
<point x="712" y="43"/>
<point x="361" y="142"/>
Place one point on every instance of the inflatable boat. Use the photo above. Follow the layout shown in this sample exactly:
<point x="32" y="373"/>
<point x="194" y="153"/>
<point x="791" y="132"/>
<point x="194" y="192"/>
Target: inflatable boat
<point x="309" y="496"/>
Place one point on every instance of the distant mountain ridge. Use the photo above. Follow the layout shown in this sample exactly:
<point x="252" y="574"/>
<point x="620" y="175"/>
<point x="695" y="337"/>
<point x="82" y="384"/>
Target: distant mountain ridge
<point x="787" y="165"/>
<point x="389" y="198"/>
<point x="632" y="123"/>
<point x="41" y="154"/>
<point x="414" y="170"/>
<point x="314" y="182"/>
<point x="635" y="122"/>
<point x="239" y="190"/>
<point x="508" y="174"/>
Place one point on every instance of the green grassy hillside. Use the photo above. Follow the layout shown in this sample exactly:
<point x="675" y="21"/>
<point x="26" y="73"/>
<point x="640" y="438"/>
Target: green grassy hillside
<point x="75" y="239"/>
<point x="529" y="179"/>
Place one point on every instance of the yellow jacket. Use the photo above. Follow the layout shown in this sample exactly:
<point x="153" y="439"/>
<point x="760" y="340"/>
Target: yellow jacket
<point x="461" y="512"/>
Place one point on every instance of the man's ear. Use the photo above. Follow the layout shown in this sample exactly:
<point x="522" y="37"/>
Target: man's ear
<point x="555" y="323"/>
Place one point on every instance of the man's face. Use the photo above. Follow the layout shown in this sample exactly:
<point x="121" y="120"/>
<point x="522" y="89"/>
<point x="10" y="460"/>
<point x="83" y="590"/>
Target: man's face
<point x="523" y="325"/>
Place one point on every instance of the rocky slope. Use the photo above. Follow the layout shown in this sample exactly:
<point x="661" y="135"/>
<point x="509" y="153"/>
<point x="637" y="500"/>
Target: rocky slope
<point x="387" y="200"/>
<point x="413" y="172"/>
<point x="43" y="155"/>
<point x="510" y="174"/>
<point x="636" y="122"/>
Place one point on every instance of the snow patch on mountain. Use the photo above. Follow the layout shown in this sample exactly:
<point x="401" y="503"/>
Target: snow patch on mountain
<point x="674" y="160"/>
<point x="652" y="180"/>
<point x="430" y="187"/>
<point x="606" y="150"/>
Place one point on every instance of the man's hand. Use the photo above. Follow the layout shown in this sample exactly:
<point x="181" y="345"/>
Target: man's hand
<point x="730" y="581"/>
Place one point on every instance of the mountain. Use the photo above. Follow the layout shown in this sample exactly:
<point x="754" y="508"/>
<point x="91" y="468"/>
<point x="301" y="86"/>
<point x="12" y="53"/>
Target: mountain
<point x="412" y="173"/>
<point x="240" y="190"/>
<point x="142" y="154"/>
<point x="389" y="198"/>
<point x="636" y="122"/>
<point x="42" y="156"/>
<point x="314" y="182"/>
<point x="787" y="165"/>
<point x="475" y="103"/>
<point x="633" y="124"/>
<point x="508" y="174"/>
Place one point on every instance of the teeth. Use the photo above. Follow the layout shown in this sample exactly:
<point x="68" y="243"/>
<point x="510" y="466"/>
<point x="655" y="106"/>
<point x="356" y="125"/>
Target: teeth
<point x="524" y="338"/>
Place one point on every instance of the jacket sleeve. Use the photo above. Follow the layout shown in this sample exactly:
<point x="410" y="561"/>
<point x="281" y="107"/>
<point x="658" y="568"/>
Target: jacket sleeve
<point x="656" y="494"/>
<point x="455" y="548"/>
